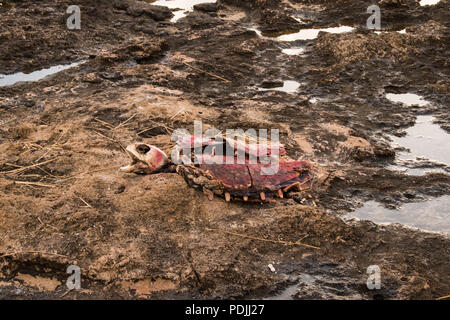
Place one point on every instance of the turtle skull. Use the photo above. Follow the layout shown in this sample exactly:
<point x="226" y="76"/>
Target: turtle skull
<point x="145" y="159"/>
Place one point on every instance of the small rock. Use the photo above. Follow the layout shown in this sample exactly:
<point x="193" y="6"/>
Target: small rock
<point x="273" y="21"/>
<point x="29" y="104"/>
<point x="148" y="29"/>
<point x="50" y="10"/>
<point x="162" y="33"/>
<point x="409" y="195"/>
<point x="120" y="4"/>
<point x="111" y="76"/>
<point x="130" y="63"/>
<point x="17" y="292"/>
<point x="157" y="13"/>
<point x="120" y="189"/>
<point x="207" y="7"/>
<point x="271" y="267"/>
<point x="91" y="78"/>
<point x="39" y="108"/>
<point x="271" y="84"/>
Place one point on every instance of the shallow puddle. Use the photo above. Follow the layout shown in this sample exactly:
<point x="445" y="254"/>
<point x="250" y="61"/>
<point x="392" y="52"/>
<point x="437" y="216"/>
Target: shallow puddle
<point x="291" y="292"/>
<point x="185" y="5"/>
<point x="410" y="99"/>
<point x="304" y="34"/>
<point x="427" y="149"/>
<point x="293" y="51"/>
<point x="10" y="79"/>
<point x="402" y="31"/>
<point x="432" y="215"/>
<point x="286" y="294"/>
<point x="418" y="167"/>
<point x="309" y="34"/>
<point x="289" y="86"/>
<point x="424" y="140"/>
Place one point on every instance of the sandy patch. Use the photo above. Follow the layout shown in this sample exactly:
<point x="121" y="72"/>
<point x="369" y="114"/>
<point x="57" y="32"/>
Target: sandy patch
<point x="42" y="284"/>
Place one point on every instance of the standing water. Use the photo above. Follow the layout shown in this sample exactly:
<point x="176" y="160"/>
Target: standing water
<point x="432" y="215"/>
<point x="410" y="99"/>
<point x="289" y="86"/>
<point x="309" y="34"/>
<point x="286" y="294"/>
<point x="293" y="51"/>
<point x="426" y="143"/>
<point x="185" y="5"/>
<point x="428" y="2"/>
<point x="304" y="34"/>
<point x="10" y="79"/>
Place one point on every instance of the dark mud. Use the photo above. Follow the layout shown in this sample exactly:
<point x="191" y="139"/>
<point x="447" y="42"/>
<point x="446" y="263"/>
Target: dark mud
<point x="143" y="76"/>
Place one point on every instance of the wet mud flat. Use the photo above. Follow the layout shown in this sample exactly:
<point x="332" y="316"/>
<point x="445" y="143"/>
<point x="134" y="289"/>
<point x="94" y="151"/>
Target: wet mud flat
<point x="357" y="103"/>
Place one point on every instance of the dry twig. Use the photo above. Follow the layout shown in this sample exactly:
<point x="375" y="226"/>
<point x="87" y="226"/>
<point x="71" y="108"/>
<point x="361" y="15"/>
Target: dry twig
<point x="106" y="124"/>
<point x="287" y="243"/>
<point x="208" y="73"/>
<point x="123" y="123"/>
<point x="87" y="204"/>
<point x="39" y="184"/>
<point x="21" y="169"/>
<point x="32" y="251"/>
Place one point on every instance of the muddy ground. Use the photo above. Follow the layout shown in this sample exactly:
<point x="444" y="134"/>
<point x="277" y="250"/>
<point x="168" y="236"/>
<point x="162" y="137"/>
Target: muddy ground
<point x="144" y="76"/>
